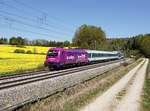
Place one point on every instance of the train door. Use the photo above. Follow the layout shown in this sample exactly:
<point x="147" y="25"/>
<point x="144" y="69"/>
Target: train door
<point x="62" y="58"/>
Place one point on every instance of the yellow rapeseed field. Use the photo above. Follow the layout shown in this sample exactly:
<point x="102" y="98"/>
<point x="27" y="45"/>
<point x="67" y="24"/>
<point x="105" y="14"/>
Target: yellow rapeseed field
<point x="13" y="62"/>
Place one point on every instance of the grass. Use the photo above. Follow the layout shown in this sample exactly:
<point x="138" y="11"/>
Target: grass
<point x="11" y="62"/>
<point x="146" y="96"/>
<point x="74" y="98"/>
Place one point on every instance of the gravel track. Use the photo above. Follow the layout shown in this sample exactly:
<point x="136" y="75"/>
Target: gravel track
<point x="105" y="101"/>
<point x="131" y="101"/>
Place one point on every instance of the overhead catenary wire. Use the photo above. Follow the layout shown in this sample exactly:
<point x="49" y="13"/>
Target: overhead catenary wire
<point x="41" y="12"/>
<point x="38" y="11"/>
<point x="16" y="15"/>
<point x="28" y="6"/>
<point x="33" y="19"/>
<point x="19" y="16"/>
<point x="28" y="31"/>
<point x="27" y="24"/>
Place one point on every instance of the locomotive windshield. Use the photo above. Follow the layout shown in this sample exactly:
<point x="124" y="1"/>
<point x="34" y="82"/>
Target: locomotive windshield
<point x="52" y="53"/>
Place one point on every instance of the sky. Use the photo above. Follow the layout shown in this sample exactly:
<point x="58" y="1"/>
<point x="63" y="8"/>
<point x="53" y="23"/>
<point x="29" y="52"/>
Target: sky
<point x="59" y="19"/>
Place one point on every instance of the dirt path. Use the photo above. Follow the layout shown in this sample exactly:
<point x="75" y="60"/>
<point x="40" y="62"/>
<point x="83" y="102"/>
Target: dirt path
<point x="131" y="101"/>
<point x="107" y="101"/>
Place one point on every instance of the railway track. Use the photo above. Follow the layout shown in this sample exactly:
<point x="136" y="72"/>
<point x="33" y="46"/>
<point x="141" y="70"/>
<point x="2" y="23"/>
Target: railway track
<point x="15" y="80"/>
<point x="2" y="77"/>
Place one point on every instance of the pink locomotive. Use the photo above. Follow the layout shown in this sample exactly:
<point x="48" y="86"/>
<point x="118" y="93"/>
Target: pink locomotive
<point x="60" y="57"/>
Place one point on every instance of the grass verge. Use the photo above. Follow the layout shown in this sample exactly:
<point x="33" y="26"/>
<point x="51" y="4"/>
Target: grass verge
<point x="146" y="95"/>
<point x="72" y="99"/>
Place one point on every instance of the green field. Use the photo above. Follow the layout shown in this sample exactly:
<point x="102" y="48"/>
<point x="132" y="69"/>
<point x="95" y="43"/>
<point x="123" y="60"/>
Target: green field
<point x="11" y="62"/>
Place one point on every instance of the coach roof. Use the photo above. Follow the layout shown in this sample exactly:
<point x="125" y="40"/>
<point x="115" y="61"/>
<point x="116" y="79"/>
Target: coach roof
<point x="104" y="52"/>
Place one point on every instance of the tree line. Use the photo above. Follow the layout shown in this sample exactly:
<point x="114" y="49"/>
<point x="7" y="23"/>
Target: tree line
<point x="20" y="41"/>
<point x="140" y="45"/>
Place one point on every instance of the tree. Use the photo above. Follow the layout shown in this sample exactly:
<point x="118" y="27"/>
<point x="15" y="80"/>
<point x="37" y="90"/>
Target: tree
<point x="117" y="44"/>
<point x="66" y="43"/>
<point x="144" y="45"/>
<point x="59" y="44"/>
<point x="27" y="42"/>
<point x="17" y="41"/>
<point x="90" y="37"/>
<point x="13" y="41"/>
<point x="20" y="41"/>
<point x="40" y="42"/>
<point x="140" y="44"/>
<point x="3" y="40"/>
<point x="52" y="43"/>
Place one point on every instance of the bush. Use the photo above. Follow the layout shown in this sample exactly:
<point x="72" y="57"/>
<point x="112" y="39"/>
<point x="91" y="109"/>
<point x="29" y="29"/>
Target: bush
<point x="125" y="64"/>
<point x="42" y="53"/>
<point x="19" y="51"/>
<point x="20" y="46"/>
<point x="29" y="52"/>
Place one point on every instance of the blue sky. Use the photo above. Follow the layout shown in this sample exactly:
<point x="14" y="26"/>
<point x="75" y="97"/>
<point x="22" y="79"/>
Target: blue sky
<point x="58" y="19"/>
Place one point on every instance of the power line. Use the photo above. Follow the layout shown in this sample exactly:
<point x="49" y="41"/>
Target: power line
<point x="15" y="15"/>
<point x="27" y="24"/>
<point x="28" y="6"/>
<point x="38" y="18"/>
<point x="31" y="20"/>
<point x="26" y="19"/>
<point x="43" y="14"/>
<point x="13" y="7"/>
<point x="23" y="30"/>
<point x="39" y="11"/>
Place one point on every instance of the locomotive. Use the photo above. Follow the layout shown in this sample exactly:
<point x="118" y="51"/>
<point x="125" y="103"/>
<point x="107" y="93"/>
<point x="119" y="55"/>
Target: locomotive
<point x="60" y="57"/>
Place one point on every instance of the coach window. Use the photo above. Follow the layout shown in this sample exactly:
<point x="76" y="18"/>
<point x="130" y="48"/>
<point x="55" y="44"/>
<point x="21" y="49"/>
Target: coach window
<point x="97" y="55"/>
<point x="89" y="55"/>
<point x="94" y="55"/>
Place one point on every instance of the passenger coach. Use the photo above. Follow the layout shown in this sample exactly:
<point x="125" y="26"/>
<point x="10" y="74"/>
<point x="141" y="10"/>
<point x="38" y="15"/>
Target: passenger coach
<point x="95" y="56"/>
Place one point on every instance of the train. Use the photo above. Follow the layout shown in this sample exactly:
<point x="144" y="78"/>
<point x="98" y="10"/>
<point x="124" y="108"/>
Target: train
<point x="59" y="57"/>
